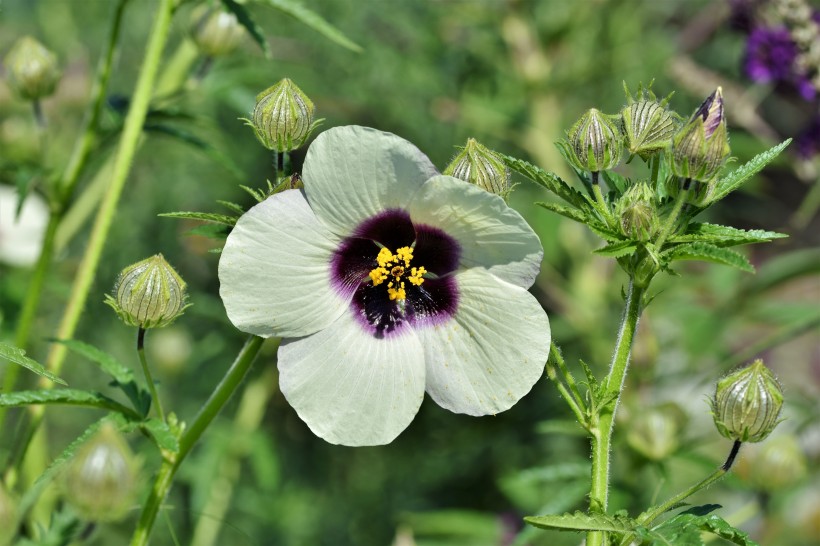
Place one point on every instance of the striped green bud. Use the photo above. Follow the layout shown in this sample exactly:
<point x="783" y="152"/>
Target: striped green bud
<point x="482" y="167"/>
<point x="594" y="143"/>
<point x="747" y="403"/>
<point x="701" y="147"/>
<point x="648" y="124"/>
<point x="149" y="294"/>
<point x="283" y="117"/>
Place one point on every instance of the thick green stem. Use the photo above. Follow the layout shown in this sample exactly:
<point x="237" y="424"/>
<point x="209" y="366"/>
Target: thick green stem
<point x="171" y="462"/>
<point x="603" y="421"/>
<point x="152" y="388"/>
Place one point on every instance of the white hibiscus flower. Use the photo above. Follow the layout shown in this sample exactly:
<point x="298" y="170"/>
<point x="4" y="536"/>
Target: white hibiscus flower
<point x="21" y="237"/>
<point x="386" y="280"/>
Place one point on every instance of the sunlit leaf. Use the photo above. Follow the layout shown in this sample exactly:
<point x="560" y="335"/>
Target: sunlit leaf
<point x="64" y="397"/>
<point x="708" y="253"/>
<point x="18" y="356"/>
<point x="724" y="236"/>
<point x="581" y="521"/>
<point x="548" y="180"/>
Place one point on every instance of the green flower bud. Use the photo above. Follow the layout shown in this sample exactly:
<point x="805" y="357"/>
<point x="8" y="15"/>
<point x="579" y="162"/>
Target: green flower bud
<point x="701" y="147"/>
<point x="101" y="479"/>
<point x="149" y="294"/>
<point x="648" y="124"/>
<point x="283" y="117"/>
<point x="215" y="32"/>
<point x="637" y="212"/>
<point x="747" y="403"/>
<point x="481" y="166"/>
<point x="778" y="464"/>
<point x="656" y="433"/>
<point x="31" y="69"/>
<point x="8" y="517"/>
<point x="594" y="142"/>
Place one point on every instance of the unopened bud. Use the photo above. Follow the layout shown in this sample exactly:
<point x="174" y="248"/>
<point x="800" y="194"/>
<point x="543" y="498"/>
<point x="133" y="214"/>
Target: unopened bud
<point x="594" y="142"/>
<point x="481" y="166"/>
<point x="31" y="69"/>
<point x="747" y="403"/>
<point x="149" y="294"/>
<point x="8" y="517"/>
<point x="701" y="147"/>
<point x="648" y="124"/>
<point x="215" y="31"/>
<point x="656" y="433"/>
<point x="101" y="479"/>
<point x="637" y="212"/>
<point x="283" y="117"/>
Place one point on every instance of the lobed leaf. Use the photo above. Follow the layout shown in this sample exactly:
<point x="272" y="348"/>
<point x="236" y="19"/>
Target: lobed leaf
<point x="725" y="236"/>
<point x="616" y="250"/>
<point x="581" y="521"/>
<point x="739" y="176"/>
<point x="313" y="20"/>
<point x="571" y="213"/>
<point x="708" y="253"/>
<point x="18" y="356"/>
<point x="244" y="18"/>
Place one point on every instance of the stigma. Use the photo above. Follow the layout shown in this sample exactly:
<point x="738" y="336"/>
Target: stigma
<point x="395" y="269"/>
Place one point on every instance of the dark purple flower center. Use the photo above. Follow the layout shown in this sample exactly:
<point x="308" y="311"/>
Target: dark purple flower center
<point x="390" y="294"/>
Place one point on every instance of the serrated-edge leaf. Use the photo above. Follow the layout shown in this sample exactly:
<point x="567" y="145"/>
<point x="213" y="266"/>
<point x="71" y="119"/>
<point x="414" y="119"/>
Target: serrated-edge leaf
<point x="739" y="176"/>
<point x="67" y="397"/>
<point x="548" y="180"/>
<point x="315" y="21"/>
<point x="232" y="206"/>
<point x="605" y="233"/>
<point x="18" y="356"/>
<point x="581" y="521"/>
<point x="203" y="216"/>
<point x="162" y="434"/>
<point x="709" y="253"/>
<point x="572" y="214"/>
<point x="724" y="236"/>
<point x="106" y="362"/>
<point x="244" y="18"/>
<point x="688" y="521"/>
<point x="616" y="250"/>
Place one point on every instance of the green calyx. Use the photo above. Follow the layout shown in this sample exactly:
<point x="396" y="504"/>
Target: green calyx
<point x="747" y="403"/>
<point x="282" y="119"/>
<point x="482" y="167"/>
<point x="31" y="69"/>
<point x="594" y="143"/>
<point x="149" y="294"/>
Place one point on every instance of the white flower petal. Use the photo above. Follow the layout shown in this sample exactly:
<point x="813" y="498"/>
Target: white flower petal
<point x="21" y="237"/>
<point x="353" y="173"/>
<point x="492" y="352"/>
<point x="274" y="271"/>
<point x="491" y="234"/>
<point x="351" y="388"/>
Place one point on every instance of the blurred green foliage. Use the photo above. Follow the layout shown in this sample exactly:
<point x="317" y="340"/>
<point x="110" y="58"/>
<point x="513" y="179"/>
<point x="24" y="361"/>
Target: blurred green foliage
<point x="514" y="74"/>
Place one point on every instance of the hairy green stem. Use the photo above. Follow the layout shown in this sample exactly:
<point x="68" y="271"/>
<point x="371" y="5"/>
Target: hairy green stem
<point x="171" y="461"/>
<point x="572" y="396"/>
<point x="599" y="197"/>
<point x="672" y="219"/>
<point x="602" y="425"/>
<point x="152" y="388"/>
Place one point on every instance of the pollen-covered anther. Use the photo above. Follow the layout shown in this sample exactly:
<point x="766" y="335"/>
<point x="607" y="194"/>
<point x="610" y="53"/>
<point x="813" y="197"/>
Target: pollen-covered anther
<point x="395" y="268"/>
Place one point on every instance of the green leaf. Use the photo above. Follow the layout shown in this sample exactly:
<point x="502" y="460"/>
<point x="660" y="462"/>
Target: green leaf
<point x="708" y="253"/>
<point x="245" y="19"/>
<point x="616" y="182"/>
<point x="571" y="213"/>
<point x="616" y="250"/>
<point x="232" y="206"/>
<point x="18" y="356"/>
<point x="685" y="530"/>
<point x="725" y="236"/>
<point x="313" y="20"/>
<point x="65" y="397"/>
<point x="550" y="181"/>
<point x="203" y="146"/>
<point x="107" y="363"/>
<point x="739" y="176"/>
<point x="203" y="216"/>
<point x="580" y="521"/>
<point x="605" y="233"/>
<point x="210" y="231"/>
<point x="162" y="434"/>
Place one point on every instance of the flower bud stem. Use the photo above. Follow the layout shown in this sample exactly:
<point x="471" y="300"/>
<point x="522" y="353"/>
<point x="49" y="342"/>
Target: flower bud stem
<point x="39" y="116"/>
<point x="603" y="208"/>
<point x="672" y="219"/>
<point x="652" y="514"/>
<point x="572" y="396"/>
<point x="152" y="388"/>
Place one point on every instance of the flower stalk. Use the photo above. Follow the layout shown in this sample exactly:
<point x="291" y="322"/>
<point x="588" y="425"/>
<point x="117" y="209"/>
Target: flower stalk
<point x="152" y="388"/>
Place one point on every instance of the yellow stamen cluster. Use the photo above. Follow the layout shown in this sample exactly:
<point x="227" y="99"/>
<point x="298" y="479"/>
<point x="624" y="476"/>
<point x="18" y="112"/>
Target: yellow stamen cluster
<point x="392" y="268"/>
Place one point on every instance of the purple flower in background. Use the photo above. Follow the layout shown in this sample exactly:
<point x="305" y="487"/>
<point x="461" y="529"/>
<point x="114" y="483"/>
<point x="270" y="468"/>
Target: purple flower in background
<point x="770" y="53"/>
